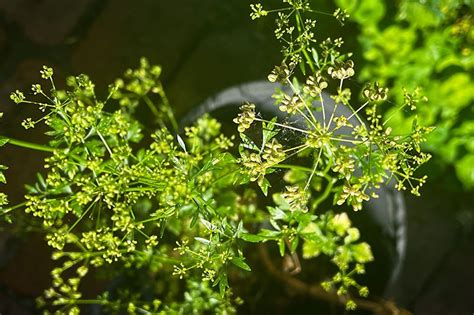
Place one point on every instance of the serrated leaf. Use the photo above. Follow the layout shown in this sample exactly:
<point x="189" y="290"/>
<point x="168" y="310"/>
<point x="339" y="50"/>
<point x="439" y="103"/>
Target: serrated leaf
<point x="362" y="252"/>
<point x="311" y="249"/>
<point x="268" y="131"/>
<point x="280" y="201"/>
<point x="247" y="142"/>
<point x="340" y="223"/>
<point x="264" y="184"/>
<point x="239" y="262"/>
<point x="277" y="213"/>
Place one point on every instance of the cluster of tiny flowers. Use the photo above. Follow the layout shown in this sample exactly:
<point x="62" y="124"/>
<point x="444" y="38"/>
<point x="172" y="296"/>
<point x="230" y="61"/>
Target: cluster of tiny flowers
<point x="342" y="70"/>
<point x="281" y="73"/>
<point x="341" y="15"/>
<point x="273" y="152"/>
<point x="354" y="195"/>
<point x="315" y="85"/>
<point x="375" y="92"/>
<point x="246" y="117"/>
<point x="296" y="197"/>
<point x="291" y="104"/>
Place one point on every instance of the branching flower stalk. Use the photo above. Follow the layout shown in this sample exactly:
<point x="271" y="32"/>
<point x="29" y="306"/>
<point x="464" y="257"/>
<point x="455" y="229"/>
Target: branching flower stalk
<point x="181" y="209"/>
<point x="354" y="154"/>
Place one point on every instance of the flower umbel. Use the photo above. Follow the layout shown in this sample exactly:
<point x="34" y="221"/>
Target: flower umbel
<point x="246" y="117"/>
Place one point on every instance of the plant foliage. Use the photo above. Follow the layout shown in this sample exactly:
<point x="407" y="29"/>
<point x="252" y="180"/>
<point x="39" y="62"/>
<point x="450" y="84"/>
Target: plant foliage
<point x="180" y="210"/>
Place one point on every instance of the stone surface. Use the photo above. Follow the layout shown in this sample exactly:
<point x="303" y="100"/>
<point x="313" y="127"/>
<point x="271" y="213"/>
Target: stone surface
<point x="46" y="22"/>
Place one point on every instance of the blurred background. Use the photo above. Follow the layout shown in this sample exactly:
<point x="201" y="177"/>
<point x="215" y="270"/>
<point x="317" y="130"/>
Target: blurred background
<point x="205" y="46"/>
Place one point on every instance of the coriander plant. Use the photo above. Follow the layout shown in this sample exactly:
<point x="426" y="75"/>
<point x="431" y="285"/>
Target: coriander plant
<point x="179" y="211"/>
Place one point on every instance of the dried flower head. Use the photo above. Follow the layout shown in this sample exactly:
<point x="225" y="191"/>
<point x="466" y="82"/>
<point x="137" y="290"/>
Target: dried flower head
<point x="342" y="70"/>
<point x="245" y="117"/>
<point x="375" y="92"/>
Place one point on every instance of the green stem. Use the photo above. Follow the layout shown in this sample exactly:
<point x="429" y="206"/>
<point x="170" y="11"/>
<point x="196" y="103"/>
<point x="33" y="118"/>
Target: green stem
<point x="295" y="167"/>
<point x="28" y="145"/>
<point x="301" y="30"/>
<point x="324" y="195"/>
<point x="167" y="107"/>
<point x="6" y="210"/>
<point x="314" y="169"/>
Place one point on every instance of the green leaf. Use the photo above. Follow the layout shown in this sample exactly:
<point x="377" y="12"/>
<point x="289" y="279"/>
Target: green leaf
<point x="277" y="213"/>
<point x="315" y="56"/>
<point x="239" y="262"/>
<point x="252" y="238"/>
<point x="340" y="223"/>
<point x="270" y="234"/>
<point x="203" y="240"/>
<point x="41" y="181"/>
<point x="311" y="249"/>
<point x="294" y="244"/>
<point x="181" y="143"/>
<point x="362" y="252"/>
<point x="280" y="201"/>
<point x="281" y="246"/>
<point x="223" y="283"/>
<point x="264" y="184"/>
<point x="268" y="131"/>
<point x="247" y="143"/>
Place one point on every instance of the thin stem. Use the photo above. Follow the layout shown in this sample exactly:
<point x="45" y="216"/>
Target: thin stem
<point x="151" y="106"/>
<point x="324" y="195"/>
<point x="376" y="307"/>
<point x="296" y="148"/>
<point x="167" y="107"/>
<point x="37" y="103"/>
<point x="314" y="169"/>
<point x="28" y="145"/>
<point x="284" y="126"/>
<point x="355" y="113"/>
<point x="82" y="216"/>
<point x="7" y="210"/>
<point x="324" y="111"/>
<point x="53" y="86"/>
<point x="393" y="114"/>
<point x="332" y="116"/>
<point x="294" y="167"/>
<point x="305" y="105"/>
<point x="302" y="30"/>
<point x="346" y="140"/>
<point x="105" y="142"/>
